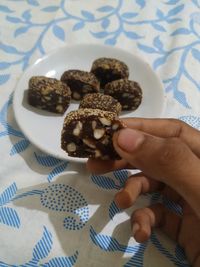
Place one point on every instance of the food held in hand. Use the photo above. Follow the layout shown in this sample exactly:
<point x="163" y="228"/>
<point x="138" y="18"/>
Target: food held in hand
<point x="80" y="83"/>
<point x="87" y="133"/>
<point x="49" y="94"/>
<point x="101" y="101"/>
<point x="128" y="93"/>
<point x="109" y="69"/>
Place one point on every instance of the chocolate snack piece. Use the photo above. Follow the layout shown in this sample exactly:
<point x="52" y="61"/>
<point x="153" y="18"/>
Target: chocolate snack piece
<point x="49" y="94"/>
<point x="128" y="93"/>
<point x="109" y="69"/>
<point x="80" y="83"/>
<point x="87" y="133"/>
<point x="100" y="101"/>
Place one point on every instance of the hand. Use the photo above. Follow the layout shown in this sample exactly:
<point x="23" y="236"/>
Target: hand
<point x="168" y="154"/>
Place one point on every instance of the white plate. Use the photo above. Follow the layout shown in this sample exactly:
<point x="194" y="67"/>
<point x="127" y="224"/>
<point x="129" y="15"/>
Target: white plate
<point x="43" y="128"/>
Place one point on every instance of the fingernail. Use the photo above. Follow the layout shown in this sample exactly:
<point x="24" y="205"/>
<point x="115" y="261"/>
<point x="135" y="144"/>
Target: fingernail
<point x="129" y="139"/>
<point x="135" y="228"/>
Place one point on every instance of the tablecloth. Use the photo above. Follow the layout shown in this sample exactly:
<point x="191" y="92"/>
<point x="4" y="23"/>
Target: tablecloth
<point x="56" y="213"/>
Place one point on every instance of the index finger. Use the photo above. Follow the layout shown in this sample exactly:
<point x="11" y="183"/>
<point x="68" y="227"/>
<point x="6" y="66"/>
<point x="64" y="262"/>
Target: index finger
<point x="167" y="128"/>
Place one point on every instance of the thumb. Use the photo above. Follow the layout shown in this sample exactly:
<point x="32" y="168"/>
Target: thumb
<point x="168" y="160"/>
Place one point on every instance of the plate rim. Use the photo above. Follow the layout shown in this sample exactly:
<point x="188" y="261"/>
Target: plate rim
<point x="55" y="51"/>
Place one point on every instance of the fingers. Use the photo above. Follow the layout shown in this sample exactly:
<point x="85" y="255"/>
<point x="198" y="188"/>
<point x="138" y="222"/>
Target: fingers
<point x="167" y="128"/>
<point x="167" y="160"/>
<point x="140" y="184"/>
<point x="156" y="215"/>
<point x="98" y="166"/>
<point x="135" y="185"/>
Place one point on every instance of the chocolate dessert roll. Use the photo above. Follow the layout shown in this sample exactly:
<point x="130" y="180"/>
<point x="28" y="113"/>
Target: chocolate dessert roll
<point x="87" y="133"/>
<point x="80" y="83"/>
<point x="109" y="69"/>
<point x="128" y="93"/>
<point x="101" y="101"/>
<point x="49" y="94"/>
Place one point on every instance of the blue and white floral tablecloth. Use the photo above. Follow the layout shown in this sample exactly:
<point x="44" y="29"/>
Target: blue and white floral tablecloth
<point x="55" y="213"/>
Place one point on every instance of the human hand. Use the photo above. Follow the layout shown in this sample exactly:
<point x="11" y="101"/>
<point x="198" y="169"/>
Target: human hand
<point x="168" y="154"/>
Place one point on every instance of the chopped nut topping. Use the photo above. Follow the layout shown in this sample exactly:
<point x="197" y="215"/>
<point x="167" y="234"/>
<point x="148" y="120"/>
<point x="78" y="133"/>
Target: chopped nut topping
<point x="94" y="124"/>
<point x="76" y="96"/>
<point x="97" y="154"/>
<point x="59" y="108"/>
<point x="77" y="129"/>
<point x="98" y="133"/>
<point x="125" y="106"/>
<point x="126" y="95"/>
<point x="89" y="143"/>
<point x="71" y="147"/>
<point x="105" y="121"/>
<point x="47" y="97"/>
<point x="115" y="126"/>
<point x="105" y="141"/>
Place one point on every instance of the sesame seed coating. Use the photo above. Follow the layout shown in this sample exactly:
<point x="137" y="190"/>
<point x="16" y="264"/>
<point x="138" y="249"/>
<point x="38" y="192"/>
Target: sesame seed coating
<point x="109" y="69"/>
<point x="82" y="76"/>
<point x="48" y="94"/>
<point x="111" y="63"/>
<point x="46" y="85"/>
<point x="101" y="101"/>
<point x="128" y="93"/>
<point x="88" y="112"/>
<point x="123" y="85"/>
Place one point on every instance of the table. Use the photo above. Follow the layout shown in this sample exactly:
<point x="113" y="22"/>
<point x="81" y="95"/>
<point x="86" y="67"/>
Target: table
<point x="53" y="212"/>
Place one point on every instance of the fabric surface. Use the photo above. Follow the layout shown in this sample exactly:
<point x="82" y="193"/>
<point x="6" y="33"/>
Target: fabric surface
<point x="53" y="212"/>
